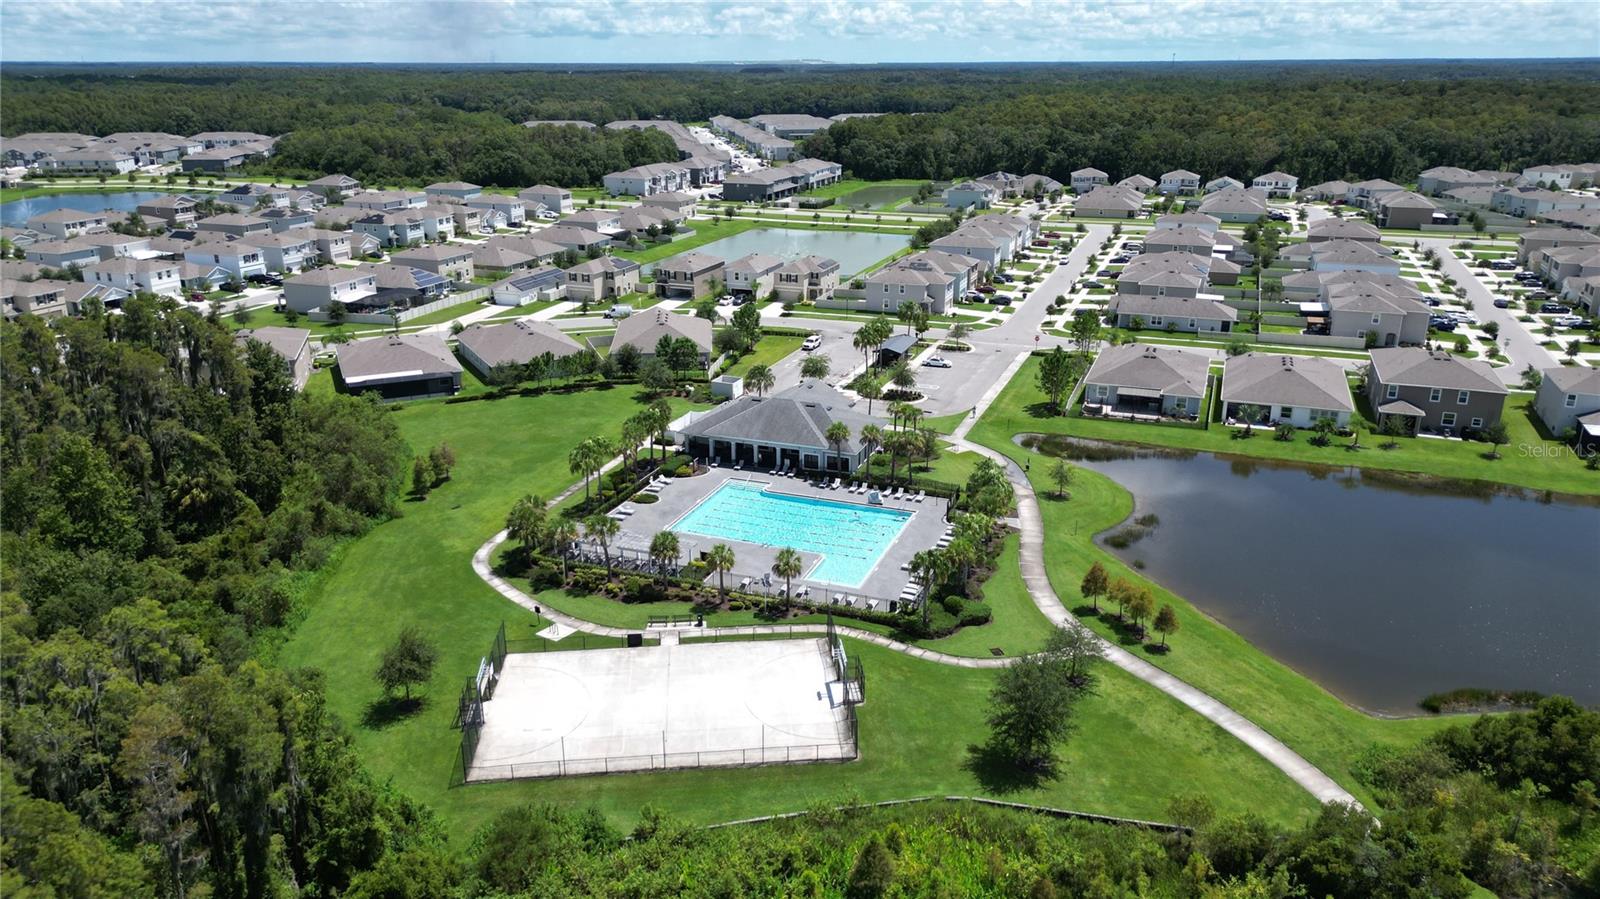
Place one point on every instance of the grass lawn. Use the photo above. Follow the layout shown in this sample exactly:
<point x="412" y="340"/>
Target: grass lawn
<point x="706" y="230"/>
<point x="851" y="185"/>
<point x="448" y="313"/>
<point x="268" y="317"/>
<point x="1206" y="653"/>
<point x="525" y="309"/>
<point x="769" y="349"/>
<point x="1133" y="750"/>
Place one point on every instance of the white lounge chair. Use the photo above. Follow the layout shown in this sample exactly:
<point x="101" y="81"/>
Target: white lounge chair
<point x="922" y="495"/>
<point x="745" y="584"/>
<point x="836" y="483"/>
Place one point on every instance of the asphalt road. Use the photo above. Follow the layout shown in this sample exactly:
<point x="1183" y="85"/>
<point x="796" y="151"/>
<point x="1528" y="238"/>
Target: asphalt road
<point x="1516" y="341"/>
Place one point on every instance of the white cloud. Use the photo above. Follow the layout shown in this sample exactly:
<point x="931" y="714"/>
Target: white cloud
<point x="840" y="30"/>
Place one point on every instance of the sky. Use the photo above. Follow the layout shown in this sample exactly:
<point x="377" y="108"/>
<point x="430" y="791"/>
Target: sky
<point x="842" y="31"/>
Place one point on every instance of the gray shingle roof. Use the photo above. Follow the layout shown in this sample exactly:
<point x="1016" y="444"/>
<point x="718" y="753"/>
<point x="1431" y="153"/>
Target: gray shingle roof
<point x="1421" y="367"/>
<point x="1266" y="379"/>
<point x="1574" y="379"/>
<point x="286" y="342"/>
<point x="1148" y="367"/>
<point x="517" y="342"/>
<point x="1147" y="305"/>
<point x="799" y="416"/>
<point x="392" y="357"/>
<point x="645" y="330"/>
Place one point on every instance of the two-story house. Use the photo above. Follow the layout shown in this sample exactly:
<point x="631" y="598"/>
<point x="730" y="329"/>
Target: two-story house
<point x="1433" y="391"/>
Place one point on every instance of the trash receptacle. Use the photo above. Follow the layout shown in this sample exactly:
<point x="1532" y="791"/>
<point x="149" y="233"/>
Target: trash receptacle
<point x="635" y="640"/>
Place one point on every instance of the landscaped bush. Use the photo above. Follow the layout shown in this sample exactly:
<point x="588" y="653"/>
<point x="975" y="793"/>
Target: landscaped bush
<point x="683" y="471"/>
<point x="588" y="580"/>
<point x="645" y="499"/>
<point x="641" y="589"/>
<point x="544" y="576"/>
<point x="976" y="614"/>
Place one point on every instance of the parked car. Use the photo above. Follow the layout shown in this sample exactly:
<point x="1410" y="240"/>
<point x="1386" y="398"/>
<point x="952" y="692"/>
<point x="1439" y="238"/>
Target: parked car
<point x="1465" y="318"/>
<point x="1094" y="285"/>
<point x="1568" y="321"/>
<point x="547" y="215"/>
<point x="619" y="311"/>
<point x="1279" y="216"/>
<point x="1525" y="276"/>
<point x="1431" y="301"/>
<point x="1502" y="265"/>
<point x="936" y="362"/>
<point x="1502" y="303"/>
<point x="257" y="279"/>
<point x="1120" y="260"/>
<point x="1537" y="295"/>
<point x="985" y="289"/>
<point x="1438" y="323"/>
<point x="1003" y="278"/>
<point x="1134" y="245"/>
<point x="1553" y="309"/>
<point x="811" y="342"/>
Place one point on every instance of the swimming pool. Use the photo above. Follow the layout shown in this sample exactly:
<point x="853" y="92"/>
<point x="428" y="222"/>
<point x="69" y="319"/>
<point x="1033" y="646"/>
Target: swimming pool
<point x="850" y="537"/>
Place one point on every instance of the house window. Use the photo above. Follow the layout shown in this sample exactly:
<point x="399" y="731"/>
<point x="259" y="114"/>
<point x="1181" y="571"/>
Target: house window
<point x="1477" y="422"/>
<point x="1155" y="321"/>
<point x="1376" y="320"/>
<point x="1572" y="400"/>
<point x="1392" y="393"/>
<point x="1192" y="323"/>
<point x="1361" y="335"/>
<point x="1102" y="391"/>
<point x="1462" y="397"/>
<point x="1435" y="394"/>
<point x="1181" y="404"/>
<point x="1286" y="412"/>
<point x="1448" y="419"/>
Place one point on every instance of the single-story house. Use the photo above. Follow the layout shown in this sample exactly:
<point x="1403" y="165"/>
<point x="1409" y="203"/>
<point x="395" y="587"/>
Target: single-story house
<point x="398" y="367"/>
<point x="453" y="191"/>
<point x="1173" y="313"/>
<point x="1300" y="390"/>
<point x="680" y="204"/>
<point x="1223" y="183"/>
<point x="293" y="346"/>
<point x="1328" y="191"/>
<point x="1235" y="205"/>
<point x="1430" y="390"/>
<point x="787" y="429"/>
<point x="514" y="343"/>
<point x="1109" y="202"/>
<point x="543" y="283"/>
<point x="234" y="224"/>
<point x="644" y="331"/>
<point x="1144" y="379"/>
<point x="1207" y="223"/>
<point x="1324" y="230"/>
<point x="387" y="200"/>
<point x="569" y="237"/>
<point x="1407" y="210"/>
<point x="1180" y="240"/>
<point x="1140" y="183"/>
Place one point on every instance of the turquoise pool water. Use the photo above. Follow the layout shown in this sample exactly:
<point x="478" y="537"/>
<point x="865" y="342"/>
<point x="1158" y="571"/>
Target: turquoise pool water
<point x="850" y="537"/>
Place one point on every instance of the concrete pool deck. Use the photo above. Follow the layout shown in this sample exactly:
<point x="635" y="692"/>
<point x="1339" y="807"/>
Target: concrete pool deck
<point x="691" y="705"/>
<point x="753" y="560"/>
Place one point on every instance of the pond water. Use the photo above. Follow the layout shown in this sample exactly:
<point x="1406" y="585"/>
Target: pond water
<point x="854" y="250"/>
<point x="16" y="213"/>
<point x="1380" y="587"/>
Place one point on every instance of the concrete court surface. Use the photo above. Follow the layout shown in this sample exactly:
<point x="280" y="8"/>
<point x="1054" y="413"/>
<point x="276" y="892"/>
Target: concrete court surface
<point x="691" y="705"/>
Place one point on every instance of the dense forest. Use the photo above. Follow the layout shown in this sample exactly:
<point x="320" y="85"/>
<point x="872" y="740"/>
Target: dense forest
<point x="1315" y="120"/>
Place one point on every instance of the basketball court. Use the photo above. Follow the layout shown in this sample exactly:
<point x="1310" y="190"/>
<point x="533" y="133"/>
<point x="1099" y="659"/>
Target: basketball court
<point x="686" y="705"/>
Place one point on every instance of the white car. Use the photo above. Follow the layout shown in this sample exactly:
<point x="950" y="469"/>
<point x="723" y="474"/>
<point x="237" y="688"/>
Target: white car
<point x="725" y="300"/>
<point x="547" y="215"/>
<point x="1567" y="321"/>
<point x="937" y="362"/>
<point x="812" y="342"/>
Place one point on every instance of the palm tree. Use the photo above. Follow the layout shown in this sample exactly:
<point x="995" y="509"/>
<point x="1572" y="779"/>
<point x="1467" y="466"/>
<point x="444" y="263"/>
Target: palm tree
<point x="759" y="379"/>
<point x="862" y="340"/>
<point x="660" y="418"/>
<point x="871" y="437"/>
<point x="561" y="534"/>
<point x="664" y="550"/>
<point x="838" y="434"/>
<point x="578" y="463"/>
<point x="928" y="566"/>
<point x="904" y="378"/>
<point x="871" y="388"/>
<point x="526" y="523"/>
<point x="720" y="560"/>
<point x="602" y="529"/>
<point x="787" y="566"/>
<point x="908" y="312"/>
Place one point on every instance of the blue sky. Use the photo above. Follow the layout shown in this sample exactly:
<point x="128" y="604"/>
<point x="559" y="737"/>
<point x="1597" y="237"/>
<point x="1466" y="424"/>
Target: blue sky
<point x="850" y="31"/>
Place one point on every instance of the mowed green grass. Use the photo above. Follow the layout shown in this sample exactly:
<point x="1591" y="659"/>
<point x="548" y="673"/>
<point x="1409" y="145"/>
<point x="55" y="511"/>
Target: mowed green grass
<point x="1015" y="409"/>
<point x="1133" y="750"/>
<point x="1290" y="706"/>
<point x="769" y="350"/>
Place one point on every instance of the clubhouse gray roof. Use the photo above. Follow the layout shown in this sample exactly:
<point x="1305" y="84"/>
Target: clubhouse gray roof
<point x="798" y="417"/>
<point x="517" y="342"/>
<point x="1148" y="367"/>
<point x="393" y="358"/>
<point x="1267" y="379"/>
<point x="1421" y="367"/>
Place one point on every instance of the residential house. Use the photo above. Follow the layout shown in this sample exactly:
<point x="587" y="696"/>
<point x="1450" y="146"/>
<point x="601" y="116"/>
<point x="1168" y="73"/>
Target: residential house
<point x="543" y="283"/>
<point x="1085" y="180"/>
<point x="339" y="216"/>
<point x="290" y="219"/>
<point x="553" y="199"/>
<point x="689" y="275"/>
<point x="1584" y="294"/>
<point x="932" y="279"/>
<point x="1235" y="205"/>
<point x="234" y="224"/>
<point x="286" y="251"/>
<point x="95" y="161"/>
<point x="118" y="246"/>
<point x="64" y="253"/>
<point x="1300" y="390"/>
<point x="604" y="278"/>
<point x="1365" y="194"/>
<point x="1563" y="176"/>
<point x="1175" y="274"/>
<point x="1405" y="209"/>
<point x="452" y="191"/>
<point x="1179" y="182"/>
<point x="513" y="212"/>
<point x="321" y="288"/>
<point x="402" y="287"/>
<point x="639" y="220"/>
<point x="1344" y="255"/>
<point x="644" y="180"/>
<point x="1431" y="390"/>
<point x="44" y="297"/>
<point x="1307" y="285"/>
<point x="452" y="261"/>
<point x="211" y="140"/>
<point x="340" y="185"/>
<point x="606" y="221"/>
<point x="469" y="220"/>
<point x="560" y="123"/>
<point x="791" y="125"/>
<point x="387" y="200"/>
<point x="1329" y="191"/>
<point x="241" y="260"/>
<point x="64" y="223"/>
<point x="1435" y="181"/>
<point x="1180" y="240"/>
<point x="332" y="246"/>
<point x="176" y="211"/>
<point x="706" y="170"/>
<point x="1010" y="185"/>
<point x="1197" y="220"/>
<point x="675" y="202"/>
<point x="508" y="252"/>
<point x="1565" y="266"/>
<point x="758" y="141"/>
<point x="807" y="279"/>
<point x="158" y="276"/>
<point x="573" y="238"/>
<point x="1109" y="202"/>
<point x="1223" y="183"/>
<point x="753" y="275"/>
<point x="292" y="345"/>
<point x="1147" y="380"/>
<point x="515" y="343"/>
<point x="220" y="159"/>
<point x="1329" y="229"/>
<point x="1532" y="202"/>
<point x="788" y="429"/>
<point x="1276" y="184"/>
<point x="1552" y="238"/>
<point x="763" y="185"/>
<point x="644" y="331"/>
<point x="407" y="366"/>
<point x="970" y="195"/>
<point x="1569" y="400"/>
<point x="438" y="222"/>
<point x="989" y="238"/>
<point x="1174" y="312"/>
<point x="251" y="196"/>
<point x="393" y="229"/>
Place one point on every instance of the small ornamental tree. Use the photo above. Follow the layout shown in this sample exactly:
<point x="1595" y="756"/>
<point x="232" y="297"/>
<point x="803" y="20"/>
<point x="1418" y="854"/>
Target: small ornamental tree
<point x="408" y="662"/>
<point x="1166" y="623"/>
